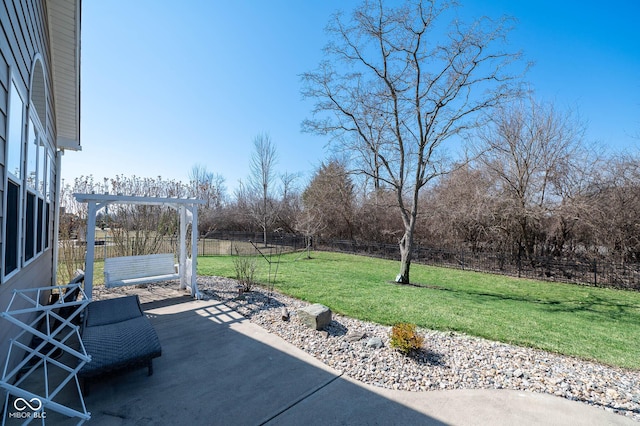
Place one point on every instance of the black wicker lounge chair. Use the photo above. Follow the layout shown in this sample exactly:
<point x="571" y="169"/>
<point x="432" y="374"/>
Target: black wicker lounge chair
<point x="117" y="335"/>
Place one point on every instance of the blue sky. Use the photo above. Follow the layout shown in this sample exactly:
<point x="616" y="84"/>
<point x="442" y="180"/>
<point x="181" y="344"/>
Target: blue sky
<point x="166" y="84"/>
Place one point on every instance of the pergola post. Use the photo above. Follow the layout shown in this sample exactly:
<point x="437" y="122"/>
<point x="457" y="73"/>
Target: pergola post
<point x="194" y="252"/>
<point x="91" y="248"/>
<point x="183" y="248"/>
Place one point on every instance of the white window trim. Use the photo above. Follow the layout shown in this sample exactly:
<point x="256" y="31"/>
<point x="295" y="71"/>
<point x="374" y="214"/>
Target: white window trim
<point x="40" y="128"/>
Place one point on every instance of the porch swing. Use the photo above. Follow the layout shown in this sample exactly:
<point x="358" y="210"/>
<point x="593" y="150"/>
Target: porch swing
<point x="133" y="270"/>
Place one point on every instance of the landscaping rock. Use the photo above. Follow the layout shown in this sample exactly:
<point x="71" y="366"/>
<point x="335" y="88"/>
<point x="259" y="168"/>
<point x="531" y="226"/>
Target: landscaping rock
<point x="355" y="336"/>
<point x="315" y="316"/>
<point x="285" y="314"/>
<point x="375" y="343"/>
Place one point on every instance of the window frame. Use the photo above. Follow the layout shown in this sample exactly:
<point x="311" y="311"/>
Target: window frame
<point x="31" y="192"/>
<point x="36" y="145"/>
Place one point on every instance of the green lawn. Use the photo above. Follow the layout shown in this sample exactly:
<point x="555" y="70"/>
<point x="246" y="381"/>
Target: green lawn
<point x="98" y="273"/>
<point x="591" y="323"/>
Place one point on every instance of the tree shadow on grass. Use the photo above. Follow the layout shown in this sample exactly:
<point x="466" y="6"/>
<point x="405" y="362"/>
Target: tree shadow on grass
<point x="593" y="304"/>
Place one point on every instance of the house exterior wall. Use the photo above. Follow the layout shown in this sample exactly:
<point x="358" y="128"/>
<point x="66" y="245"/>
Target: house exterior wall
<point x="25" y="46"/>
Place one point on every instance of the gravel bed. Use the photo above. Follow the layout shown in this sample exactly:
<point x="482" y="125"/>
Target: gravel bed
<point x="447" y="360"/>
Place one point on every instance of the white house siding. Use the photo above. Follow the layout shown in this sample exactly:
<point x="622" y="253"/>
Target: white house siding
<point x="24" y="36"/>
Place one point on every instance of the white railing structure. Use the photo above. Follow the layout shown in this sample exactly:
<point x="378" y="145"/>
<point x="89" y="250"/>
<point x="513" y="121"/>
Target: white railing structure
<point x="57" y="334"/>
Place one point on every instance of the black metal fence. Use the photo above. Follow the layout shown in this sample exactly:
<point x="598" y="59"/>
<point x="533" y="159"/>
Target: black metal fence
<point x="218" y="244"/>
<point x="578" y="271"/>
<point x="231" y="242"/>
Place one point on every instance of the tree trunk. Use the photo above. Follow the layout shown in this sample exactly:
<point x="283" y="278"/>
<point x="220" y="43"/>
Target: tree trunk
<point x="406" y="251"/>
<point x="264" y="212"/>
<point x="264" y="234"/>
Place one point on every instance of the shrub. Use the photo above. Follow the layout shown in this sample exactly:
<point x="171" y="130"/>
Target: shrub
<point x="405" y="339"/>
<point x="245" y="267"/>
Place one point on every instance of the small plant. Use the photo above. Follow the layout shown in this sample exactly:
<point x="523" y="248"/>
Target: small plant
<point x="245" y="267"/>
<point x="405" y="339"/>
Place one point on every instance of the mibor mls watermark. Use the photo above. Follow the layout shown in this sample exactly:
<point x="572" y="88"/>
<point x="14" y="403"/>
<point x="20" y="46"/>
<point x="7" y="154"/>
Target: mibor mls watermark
<point x="27" y="409"/>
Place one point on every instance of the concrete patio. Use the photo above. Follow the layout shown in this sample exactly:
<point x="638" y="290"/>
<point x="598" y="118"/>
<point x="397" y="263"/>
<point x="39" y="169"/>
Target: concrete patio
<point x="217" y="368"/>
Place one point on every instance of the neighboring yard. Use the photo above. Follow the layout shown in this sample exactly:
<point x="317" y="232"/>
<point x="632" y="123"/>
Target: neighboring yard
<point x="587" y="322"/>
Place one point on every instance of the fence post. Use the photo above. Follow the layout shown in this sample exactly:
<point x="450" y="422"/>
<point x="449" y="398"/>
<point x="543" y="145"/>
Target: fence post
<point x="595" y="273"/>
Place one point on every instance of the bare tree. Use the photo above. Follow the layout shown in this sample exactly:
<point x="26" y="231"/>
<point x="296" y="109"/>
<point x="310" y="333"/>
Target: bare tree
<point x="261" y="181"/>
<point x="329" y="200"/>
<point x="290" y="202"/>
<point x="529" y="150"/>
<point x="374" y="207"/>
<point x="210" y="187"/>
<point x="399" y="82"/>
<point x="140" y="229"/>
<point x="464" y="209"/>
<point x="236" y="214"/>
<point x="310" y="222"/>
<point x="207" y="186"/>
<point x="135" y="229"/>
<point x="609" y="214"/>
<point x="73" y="224"/>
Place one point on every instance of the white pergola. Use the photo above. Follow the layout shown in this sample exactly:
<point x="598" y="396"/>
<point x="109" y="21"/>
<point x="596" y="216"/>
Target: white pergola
<point x="188" y="211"/>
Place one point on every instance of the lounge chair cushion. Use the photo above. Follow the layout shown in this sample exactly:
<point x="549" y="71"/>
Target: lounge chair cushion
<point x="111" y="311"/>
<point x="120" y="345"/>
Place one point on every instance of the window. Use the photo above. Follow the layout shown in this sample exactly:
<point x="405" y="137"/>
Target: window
<point x="29" y="169"/>
<point x="47" y="220"/>
<point x="49" y="182"/>
<point x="30" y="233"/>
<point x="14" y="149"/>
<point x="13" y="201"/>
<point x="48" y="194"/>
<point x="12" y="222"/>
<point x="36" y="183"/>
<point x="40" y="219"/>
<point x="32" y="154"/>
<point x="42" y="172"/>
<point x="36" y="176"/>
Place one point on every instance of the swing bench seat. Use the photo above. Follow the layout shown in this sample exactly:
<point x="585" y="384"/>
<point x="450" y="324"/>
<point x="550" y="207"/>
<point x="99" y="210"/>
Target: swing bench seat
<point x="134" y="270"/>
